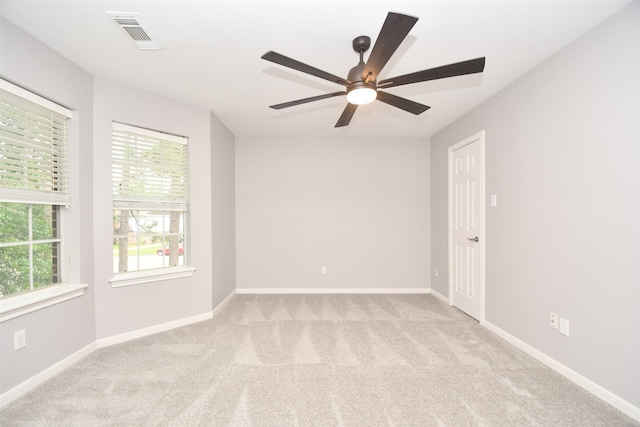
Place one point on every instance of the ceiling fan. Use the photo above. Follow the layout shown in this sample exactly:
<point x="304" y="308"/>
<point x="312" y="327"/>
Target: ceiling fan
<point x="361" y="83"/>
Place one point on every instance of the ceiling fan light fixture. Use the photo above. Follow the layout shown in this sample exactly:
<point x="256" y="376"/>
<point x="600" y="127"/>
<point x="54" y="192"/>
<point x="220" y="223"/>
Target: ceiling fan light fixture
<point x="362" y="95"/>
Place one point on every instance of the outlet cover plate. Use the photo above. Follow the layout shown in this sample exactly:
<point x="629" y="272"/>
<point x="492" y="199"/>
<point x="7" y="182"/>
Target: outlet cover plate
<point x="19" y="339"/>
<point x="553" y="321"/>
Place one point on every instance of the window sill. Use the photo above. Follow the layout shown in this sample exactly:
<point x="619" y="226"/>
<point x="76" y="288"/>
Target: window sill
<point x="148" y="276"/>
<point x="19" y="305"/>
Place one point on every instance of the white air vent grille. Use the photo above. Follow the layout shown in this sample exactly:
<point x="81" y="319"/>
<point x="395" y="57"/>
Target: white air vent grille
<point x="130" y="23"/>
<point x="137" y="33"/>
<point x="126" y="20"/>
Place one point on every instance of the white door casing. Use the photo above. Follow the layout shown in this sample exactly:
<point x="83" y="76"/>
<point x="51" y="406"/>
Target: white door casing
<point x="466" y="226"/>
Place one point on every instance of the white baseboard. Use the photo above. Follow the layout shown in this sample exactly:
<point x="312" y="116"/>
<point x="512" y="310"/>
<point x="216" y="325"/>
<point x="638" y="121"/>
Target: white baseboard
<point x="33" y="382"/>
<point x="440" y="296"/>
<point x="222" y="304"/>
<point x="139" y="333"/>
<point x="28" y="385"/>
<point x="117" y="339"/>
<point x="593" y="388"/>
<point x="332" y="291"/>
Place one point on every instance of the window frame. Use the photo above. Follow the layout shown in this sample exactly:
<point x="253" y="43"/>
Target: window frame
<point x="24" y="302"/>
<point x="120" y="279"/>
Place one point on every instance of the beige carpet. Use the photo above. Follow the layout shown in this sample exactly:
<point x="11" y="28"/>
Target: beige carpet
<point x="315" y="360"/>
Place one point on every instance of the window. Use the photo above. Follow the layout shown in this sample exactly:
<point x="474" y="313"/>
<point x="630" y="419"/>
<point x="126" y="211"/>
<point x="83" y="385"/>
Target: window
<point x="149" y="172"/>
<point x="30" y="246"/>
<point x="33" y="189"/>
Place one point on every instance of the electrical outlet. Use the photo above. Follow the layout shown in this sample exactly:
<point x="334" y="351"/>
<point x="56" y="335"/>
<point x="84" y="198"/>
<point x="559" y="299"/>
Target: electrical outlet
<point x="553" y="321"/>
<point x="435" y="272"/>
<point x="564" y="326"/>
<point x="19" y="339"/>
<point x="323" y="269"/>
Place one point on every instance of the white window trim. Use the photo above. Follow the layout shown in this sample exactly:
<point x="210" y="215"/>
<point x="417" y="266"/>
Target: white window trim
<point x="36" y="99"/>
<point x="149" y="276"/>
<point x="158" y="274"/>
<point x="150" y="133"/>
<point x="21" y="304"/>
<point x="16" y="305"/>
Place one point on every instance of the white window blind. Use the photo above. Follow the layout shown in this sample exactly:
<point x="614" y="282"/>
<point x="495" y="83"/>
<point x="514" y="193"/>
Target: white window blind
<point x="33" y="148"/>
<point x="149" y="169"/>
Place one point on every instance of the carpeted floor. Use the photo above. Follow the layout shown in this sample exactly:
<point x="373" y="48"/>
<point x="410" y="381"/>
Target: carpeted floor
<point x="315" y="360"/>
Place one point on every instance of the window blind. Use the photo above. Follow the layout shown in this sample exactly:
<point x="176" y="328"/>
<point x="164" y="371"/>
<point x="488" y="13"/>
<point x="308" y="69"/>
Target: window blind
<point x="149" y="169"/>
<point x="33" y="148"/>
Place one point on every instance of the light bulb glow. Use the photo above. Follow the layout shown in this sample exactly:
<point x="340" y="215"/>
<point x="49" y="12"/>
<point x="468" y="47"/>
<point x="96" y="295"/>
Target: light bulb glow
<point x="361" y="95"/>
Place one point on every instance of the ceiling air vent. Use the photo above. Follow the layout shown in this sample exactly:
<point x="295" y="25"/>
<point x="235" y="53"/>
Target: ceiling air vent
<point x="130" y="23"/>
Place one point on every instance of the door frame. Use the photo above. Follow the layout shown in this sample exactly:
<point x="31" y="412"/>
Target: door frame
<point x="480" y="139"/>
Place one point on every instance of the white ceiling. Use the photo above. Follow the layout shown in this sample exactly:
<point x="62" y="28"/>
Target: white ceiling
<point x="211" y="53"/>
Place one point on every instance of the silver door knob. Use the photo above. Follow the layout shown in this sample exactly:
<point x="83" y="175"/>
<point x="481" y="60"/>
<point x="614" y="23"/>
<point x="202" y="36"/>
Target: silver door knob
<point x="473" y="239"/>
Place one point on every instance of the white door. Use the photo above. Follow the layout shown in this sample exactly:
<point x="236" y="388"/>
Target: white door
<point x="466" y="226"/>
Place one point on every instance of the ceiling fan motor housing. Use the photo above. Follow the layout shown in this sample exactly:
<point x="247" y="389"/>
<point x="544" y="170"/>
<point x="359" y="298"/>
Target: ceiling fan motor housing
<point x="355" y="77"/>
<point x="366" y="89"/>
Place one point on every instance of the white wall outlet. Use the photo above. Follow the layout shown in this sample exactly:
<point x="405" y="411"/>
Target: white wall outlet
<point x="323" y="269"/>
<point x="564" y="326"/>
<point x="553" y="321"/>
<point x="19" y="339"/>
<point x="435" y="272"/>
<point x="493" y="200"/>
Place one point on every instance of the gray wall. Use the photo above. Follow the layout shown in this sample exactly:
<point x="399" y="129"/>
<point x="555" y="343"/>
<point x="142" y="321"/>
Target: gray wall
<point x="359" y="206"/>
<point x="223" y="218"/>
<point x="563" y="158"/>
<point x="123" y="309"/>
<point x="59" y="331"/>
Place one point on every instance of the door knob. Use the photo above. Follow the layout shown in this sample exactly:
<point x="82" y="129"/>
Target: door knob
<point x="473" y="239"/>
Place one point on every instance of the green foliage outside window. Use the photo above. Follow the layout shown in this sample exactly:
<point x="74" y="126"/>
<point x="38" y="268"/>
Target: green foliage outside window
<point x="28" y="247"/>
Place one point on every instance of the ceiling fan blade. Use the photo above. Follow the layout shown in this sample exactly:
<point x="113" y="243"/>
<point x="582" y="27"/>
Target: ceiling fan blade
<point x="345" y="118"/>
<point x="305" y="100"/>
<point x="297" y="65"/>
<point x="393" y="32"/>
<point x="402" y="103"/>
<point x="458" y="69"/>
